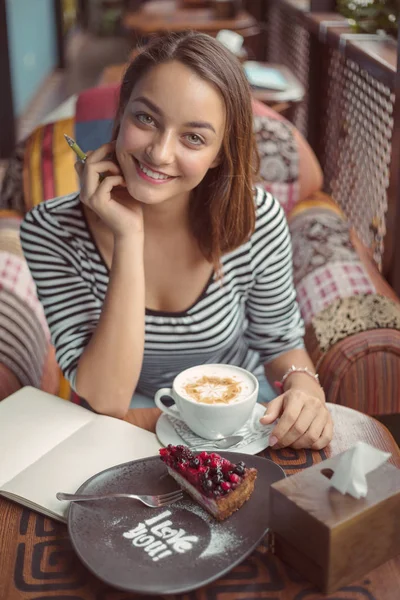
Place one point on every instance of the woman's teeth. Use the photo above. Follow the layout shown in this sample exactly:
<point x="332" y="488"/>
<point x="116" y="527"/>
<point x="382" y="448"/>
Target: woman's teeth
<point x="151" y="173"/>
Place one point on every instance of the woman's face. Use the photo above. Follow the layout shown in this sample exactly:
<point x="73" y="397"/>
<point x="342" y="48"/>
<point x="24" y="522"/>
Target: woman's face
<point x="171" y="133"/>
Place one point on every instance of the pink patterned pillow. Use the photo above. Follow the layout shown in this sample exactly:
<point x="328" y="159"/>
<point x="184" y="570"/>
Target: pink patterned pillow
<point x="25" y="348"/>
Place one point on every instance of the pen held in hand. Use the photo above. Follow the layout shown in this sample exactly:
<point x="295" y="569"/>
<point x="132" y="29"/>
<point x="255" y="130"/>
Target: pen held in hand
<point x="79" y="152"/>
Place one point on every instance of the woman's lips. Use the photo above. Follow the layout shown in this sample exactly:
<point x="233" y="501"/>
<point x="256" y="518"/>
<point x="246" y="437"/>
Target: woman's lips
<point x="148" y="177"/>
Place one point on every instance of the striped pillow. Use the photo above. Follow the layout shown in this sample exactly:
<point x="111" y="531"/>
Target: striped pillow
<point x="26" y="352"/>
<point x="48" y="169"/>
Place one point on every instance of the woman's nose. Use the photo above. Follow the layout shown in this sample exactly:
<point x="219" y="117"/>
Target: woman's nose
<point x="161" y="150"/>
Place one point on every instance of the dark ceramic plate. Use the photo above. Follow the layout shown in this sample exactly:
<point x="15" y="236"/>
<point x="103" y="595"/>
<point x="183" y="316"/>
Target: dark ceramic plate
<point x="170" y="550"/>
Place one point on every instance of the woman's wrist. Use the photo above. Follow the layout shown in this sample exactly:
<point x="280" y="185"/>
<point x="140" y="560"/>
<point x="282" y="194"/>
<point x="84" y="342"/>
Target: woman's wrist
<point x="131" y="246"/>
<point x="128" y="258"/>
<point x="303" y="381"/>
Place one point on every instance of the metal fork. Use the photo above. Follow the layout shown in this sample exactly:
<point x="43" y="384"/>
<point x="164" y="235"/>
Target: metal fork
<point x="152" y="501"/>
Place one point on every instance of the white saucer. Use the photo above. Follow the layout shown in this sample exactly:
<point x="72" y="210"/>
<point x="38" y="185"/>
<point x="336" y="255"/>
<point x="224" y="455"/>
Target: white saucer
<point x="167" y="435"/>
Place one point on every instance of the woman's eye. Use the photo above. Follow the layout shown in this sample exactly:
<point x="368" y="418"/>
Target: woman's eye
<point x="145" y="119"/>
<point x="194" y="139"/>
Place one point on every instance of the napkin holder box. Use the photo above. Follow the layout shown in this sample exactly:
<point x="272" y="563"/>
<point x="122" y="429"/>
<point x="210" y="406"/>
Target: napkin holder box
<point x="333" y="539"/>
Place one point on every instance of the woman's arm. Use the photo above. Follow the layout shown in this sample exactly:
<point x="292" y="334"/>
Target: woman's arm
<point x="109" y="368"/>
<point x="276" y="331"/>
<point x="275" y="370"/>
<point x="105" y="340"/>
<point x="304" y="420"/>
<point x="99" y="345"/>
<point x="110" y="365"/>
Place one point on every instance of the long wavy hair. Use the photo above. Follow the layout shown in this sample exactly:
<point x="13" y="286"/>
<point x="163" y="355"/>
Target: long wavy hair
<point x="222" y="209"/>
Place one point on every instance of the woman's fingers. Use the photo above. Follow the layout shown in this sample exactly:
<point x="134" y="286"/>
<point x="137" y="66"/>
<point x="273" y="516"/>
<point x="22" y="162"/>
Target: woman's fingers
<point x="299" y="426"/>
<point x="291" y="411"/>
<point x="111" y="182"/>
<point x="99" y="200"/>
<point x="313" y="433"/>
<point x="99" y="154"/>
<point x="273" y="410"/>
<point x="106" y="166"/>
<point x="79" y="166"/>
<point x="326" y="436"/>
<point x="102" y="167"/>
<point x="302" y="422"/>
<point x="90" y="177"/>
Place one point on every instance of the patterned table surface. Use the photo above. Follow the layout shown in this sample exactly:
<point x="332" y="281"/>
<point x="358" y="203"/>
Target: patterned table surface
<point x="37" y="561"/>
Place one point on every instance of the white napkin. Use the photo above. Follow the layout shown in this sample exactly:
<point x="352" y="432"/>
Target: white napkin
<point x="253" y="430"/>
<point x="231" y="40"/>
<point x="350" y="474"/>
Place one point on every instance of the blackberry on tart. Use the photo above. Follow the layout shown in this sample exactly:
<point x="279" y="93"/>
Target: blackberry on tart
<point x="218" y="485"/>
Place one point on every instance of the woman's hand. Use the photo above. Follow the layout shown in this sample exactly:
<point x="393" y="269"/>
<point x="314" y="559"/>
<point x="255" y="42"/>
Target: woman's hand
<point x="305" y="421"/>
<point x="108" y="197"/>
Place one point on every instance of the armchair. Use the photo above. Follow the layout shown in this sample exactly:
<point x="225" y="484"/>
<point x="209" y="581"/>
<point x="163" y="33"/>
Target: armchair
<point x="352" y="315"/>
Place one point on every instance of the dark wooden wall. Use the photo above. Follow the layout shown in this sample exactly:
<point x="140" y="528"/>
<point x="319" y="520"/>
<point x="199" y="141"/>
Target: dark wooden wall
<point x="7" y="121"/>
<point x="8" y="124"/>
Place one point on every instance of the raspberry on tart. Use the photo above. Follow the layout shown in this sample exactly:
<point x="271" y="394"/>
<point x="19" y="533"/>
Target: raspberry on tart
<point x="219" y="486"/>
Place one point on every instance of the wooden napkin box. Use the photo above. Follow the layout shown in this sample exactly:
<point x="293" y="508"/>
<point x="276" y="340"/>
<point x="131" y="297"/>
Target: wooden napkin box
<point x="330" y="538"/>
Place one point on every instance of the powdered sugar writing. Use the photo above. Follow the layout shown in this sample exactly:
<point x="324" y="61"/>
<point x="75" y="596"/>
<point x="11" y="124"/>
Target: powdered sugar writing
<point x="159" y="539"/>
<point x="223" y="538"/>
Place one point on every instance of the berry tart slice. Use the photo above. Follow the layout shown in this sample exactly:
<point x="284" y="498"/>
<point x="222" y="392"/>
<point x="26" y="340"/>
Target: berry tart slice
<point x="219" y="486"/>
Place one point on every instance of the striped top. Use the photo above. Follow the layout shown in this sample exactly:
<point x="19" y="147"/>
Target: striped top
<point x="249" y="320"/>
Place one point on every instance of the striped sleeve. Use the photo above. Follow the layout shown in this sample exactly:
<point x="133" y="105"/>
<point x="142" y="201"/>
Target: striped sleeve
<point x="275" y="325"/>
<point x="72" y="310"/>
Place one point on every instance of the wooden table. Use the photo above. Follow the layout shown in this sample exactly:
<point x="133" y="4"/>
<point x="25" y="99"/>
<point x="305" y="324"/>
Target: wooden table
<point x="37" y="561"/>
<point x="161" y="16"/>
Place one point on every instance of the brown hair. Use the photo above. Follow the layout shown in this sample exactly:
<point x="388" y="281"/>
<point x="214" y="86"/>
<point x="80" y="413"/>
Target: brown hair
<point x="222" y="210"/>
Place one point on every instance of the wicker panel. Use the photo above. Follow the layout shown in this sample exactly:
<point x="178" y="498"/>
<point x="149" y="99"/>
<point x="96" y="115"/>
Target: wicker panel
<point x="288" y="44"/>
<point x="356" y="142"/>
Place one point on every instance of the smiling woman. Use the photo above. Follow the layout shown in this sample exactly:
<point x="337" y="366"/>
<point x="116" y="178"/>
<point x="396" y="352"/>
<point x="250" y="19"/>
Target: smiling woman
<point x="173" y="142"/>
<point x="175" y="258"/>
<point x="205" y="104"/>
<point x="176" y="141"/>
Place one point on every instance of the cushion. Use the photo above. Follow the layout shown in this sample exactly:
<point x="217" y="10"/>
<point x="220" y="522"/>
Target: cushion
<point x="355" y="345"/>
<point x="48" y="169"/>
<point x="326" y="266"/>
<point x="25" y="347"/>
<point x="94" y="116"/>
<point x="12" y="191"/>
<point x="9" y="383"/>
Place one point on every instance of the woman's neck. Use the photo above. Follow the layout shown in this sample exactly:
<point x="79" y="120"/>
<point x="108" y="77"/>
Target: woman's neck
<point x="169" y="215"/>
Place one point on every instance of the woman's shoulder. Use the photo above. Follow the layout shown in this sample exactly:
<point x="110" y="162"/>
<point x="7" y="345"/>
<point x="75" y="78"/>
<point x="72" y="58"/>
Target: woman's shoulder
<point x="55" y="215"/>
<point x="269" y="212"/>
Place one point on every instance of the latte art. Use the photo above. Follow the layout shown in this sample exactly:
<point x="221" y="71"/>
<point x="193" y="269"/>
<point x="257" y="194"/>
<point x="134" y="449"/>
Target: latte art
<point x="212" y="390"/>
<point x="213" y="400"/>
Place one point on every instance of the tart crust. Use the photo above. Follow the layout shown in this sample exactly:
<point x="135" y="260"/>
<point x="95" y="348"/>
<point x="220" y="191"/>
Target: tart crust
<point x="223" y="507"/>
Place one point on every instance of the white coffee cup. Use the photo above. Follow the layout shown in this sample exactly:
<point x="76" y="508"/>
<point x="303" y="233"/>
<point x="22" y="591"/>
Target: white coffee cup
<point x="213" y="400"/>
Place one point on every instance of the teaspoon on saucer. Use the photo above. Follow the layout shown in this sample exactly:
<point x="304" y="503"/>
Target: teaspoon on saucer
<point x="221" y="443"/>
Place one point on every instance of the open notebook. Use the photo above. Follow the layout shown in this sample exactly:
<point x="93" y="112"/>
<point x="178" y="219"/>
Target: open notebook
<point x="49" y="445"/>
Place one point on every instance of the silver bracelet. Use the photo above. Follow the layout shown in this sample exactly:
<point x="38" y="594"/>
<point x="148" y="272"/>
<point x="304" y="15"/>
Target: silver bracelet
<point x="294" y="369"/>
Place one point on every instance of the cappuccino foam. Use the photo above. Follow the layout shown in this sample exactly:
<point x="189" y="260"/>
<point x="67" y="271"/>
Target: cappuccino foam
<point x="215" y="385"/>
